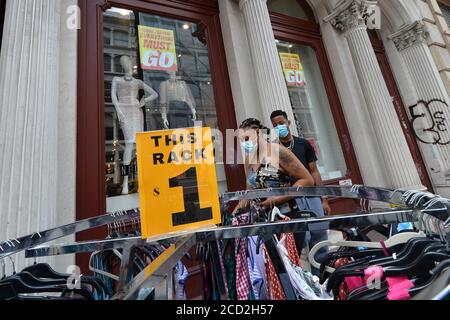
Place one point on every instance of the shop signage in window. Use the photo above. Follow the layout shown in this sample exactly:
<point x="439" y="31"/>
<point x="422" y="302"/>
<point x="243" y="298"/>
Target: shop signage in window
<point x="177" y="181"/>
<point x="293" y="69"/>
<point x="157" y="49"/>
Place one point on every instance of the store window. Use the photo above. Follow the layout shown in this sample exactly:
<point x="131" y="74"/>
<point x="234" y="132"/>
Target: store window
<point x="153" y="93"/>
<point x="311" y="107"/>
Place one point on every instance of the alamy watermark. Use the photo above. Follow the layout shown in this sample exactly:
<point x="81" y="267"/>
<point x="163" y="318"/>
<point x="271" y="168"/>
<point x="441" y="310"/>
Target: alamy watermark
<point x="73" y="21"/>
<point x="74" y="280"/>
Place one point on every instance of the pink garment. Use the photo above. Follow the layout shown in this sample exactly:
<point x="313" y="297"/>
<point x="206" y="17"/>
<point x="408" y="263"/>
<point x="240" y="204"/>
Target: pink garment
<point x="354" y="282"/>
<point x="402" y="294"/>
<point x="399" y="288"/>
<point x="397" y="283"/>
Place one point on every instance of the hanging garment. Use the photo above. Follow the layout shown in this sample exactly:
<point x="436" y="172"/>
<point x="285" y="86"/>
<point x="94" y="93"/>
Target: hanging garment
<point x="181" y="276"/>
<point x="230" y="263"/>
<point x="274" y="288"/>
<point x="289" y="242"/>
<point x="257" y="270"/>
<point x="222" y="268"/>
<point x="242" y="274"/>
<point x="306" y="286"/>
<point x="343" y="289"/>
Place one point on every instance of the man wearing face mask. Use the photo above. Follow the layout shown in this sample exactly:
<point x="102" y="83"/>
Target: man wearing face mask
<point x="304" y="151"/>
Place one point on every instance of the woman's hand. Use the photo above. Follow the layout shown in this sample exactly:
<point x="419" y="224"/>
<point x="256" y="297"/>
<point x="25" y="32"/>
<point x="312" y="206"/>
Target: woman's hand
<point x="243" y="204"/>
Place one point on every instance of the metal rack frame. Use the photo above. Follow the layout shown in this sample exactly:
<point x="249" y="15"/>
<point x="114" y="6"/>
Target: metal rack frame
<point x="158" y="274"/>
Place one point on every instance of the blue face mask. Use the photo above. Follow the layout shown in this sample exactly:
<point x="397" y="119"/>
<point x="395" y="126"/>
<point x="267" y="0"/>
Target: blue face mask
<point x="282" y="131"/>
<point x="249" y="146"/>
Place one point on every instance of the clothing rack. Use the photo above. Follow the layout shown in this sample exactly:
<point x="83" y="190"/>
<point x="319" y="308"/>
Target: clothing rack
<point x="159" y="270"/>
<point x="415" y="207"/>
<point x="292" y="226"/>
<point x="15" y="246"/>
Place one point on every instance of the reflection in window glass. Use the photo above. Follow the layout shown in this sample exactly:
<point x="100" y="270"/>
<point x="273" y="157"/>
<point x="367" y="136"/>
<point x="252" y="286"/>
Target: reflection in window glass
<point x="312" y="109"/>
<point x="108" y="64"/>
<point x="148" y="100"/>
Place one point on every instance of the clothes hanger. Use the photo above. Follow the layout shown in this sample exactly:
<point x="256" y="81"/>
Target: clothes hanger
<point x="43" y="275"/>
<point x="99" y="271"/>
<point x="400" y="238"/>
<point x="23" y="288"/>
<point x="435" y="273"/>
<point x="420" y="266"/>
<point x="408" y="255"/>
<point x="43" y="270"/>
<point x="276" y="213"/>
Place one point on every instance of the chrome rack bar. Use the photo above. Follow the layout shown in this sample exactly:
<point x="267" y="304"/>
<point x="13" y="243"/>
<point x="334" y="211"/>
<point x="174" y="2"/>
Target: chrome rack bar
<point x="313" y="224"/>
<point x="292" y="226"/>
<point x="79" y="247"/>
<point x="156" y="272"/>
<point x="14" y="246"/>
<point x="354" y="192"/>
<point x="211" y="234"/>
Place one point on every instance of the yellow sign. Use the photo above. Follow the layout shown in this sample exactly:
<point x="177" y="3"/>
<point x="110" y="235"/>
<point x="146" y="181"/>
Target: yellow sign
<point x="157" y="49"/>
<point x="177" y="179"/>
<point x="293" y="69"/>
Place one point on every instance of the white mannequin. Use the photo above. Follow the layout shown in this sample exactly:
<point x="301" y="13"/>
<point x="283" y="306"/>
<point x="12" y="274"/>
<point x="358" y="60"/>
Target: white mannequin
<point x="175" y="90"/>
<point x="125" y="94"/>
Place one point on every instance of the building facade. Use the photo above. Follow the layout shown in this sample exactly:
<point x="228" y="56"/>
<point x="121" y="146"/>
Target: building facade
<point x="371" y="95"/>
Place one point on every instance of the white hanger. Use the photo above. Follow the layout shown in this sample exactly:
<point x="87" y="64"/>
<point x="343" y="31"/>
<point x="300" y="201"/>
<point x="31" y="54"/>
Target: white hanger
<point x="276" y="212"/>
<point x="391" y="242"/>
<point x="102" y="272"/>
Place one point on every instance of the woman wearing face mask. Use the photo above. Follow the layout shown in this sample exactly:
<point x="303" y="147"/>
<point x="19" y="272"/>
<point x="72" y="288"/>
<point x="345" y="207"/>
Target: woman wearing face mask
<point x="270" y="165"/>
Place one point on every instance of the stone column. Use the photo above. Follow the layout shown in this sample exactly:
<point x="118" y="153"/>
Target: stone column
<point x="431" y="116"/>
<point x="349" y="17"/>
<point x="29" y="92"/>
<point x="269" y="72"/>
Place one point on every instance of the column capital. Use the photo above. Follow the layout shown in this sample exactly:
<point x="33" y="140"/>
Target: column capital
<point x="350" y="14"/>
<point x="409" y="35"/>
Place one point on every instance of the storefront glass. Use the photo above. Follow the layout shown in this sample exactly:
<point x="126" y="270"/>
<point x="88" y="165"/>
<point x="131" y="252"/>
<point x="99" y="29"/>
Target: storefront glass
<point x="167" y="90"/>
<point x="311" y="107"/>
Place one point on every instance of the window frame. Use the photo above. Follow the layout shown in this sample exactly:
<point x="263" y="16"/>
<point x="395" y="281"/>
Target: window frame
<point x="91" y="188"/>
<point x="308" y="33"/>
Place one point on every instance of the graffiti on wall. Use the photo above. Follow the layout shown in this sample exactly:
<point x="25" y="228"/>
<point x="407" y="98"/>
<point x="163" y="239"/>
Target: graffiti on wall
<point x="429" y="122"/>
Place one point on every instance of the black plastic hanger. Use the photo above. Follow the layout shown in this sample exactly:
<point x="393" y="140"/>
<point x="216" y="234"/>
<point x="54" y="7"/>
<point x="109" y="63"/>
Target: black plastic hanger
<point x="22" y="288"/>
<point x="43" y="270"/>
<point x="434" y="275"/>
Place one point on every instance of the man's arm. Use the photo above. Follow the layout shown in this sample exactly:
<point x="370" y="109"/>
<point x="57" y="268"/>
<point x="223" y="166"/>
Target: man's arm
<point x="318" y="182"/>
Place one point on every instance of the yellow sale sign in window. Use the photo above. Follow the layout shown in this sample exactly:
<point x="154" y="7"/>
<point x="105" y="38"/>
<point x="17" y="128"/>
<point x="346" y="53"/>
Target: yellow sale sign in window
<point x="177" y="178"/>
<point x="293" y="69"/>
<point x="157" y="49"/>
